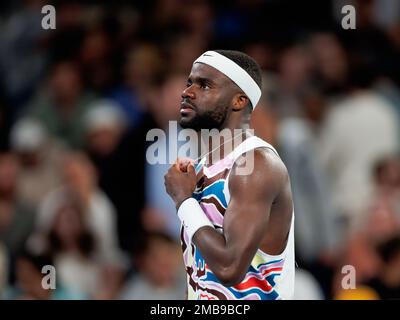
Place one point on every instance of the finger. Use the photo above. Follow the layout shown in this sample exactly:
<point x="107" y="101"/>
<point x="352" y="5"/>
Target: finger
<point x="175" y="167"/>
<point x="188" y="160"/>
<point x="178" y="160"/>
<point x="183" y="167"/>
<point x="184" y="163"/>
<point x="190" y="168"/>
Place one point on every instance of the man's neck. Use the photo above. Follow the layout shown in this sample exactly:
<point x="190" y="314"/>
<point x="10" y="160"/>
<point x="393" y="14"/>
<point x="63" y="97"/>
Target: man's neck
<point x="217" y="144"/>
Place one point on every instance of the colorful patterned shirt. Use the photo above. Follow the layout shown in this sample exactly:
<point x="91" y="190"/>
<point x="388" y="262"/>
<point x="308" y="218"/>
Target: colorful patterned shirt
<point x="269" y="277"/>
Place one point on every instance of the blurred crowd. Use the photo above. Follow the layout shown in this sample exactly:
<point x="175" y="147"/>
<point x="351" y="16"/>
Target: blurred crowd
<point x="76" y="103"/>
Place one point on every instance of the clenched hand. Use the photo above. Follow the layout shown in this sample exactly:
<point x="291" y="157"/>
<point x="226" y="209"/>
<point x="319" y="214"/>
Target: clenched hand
<point x="180" y="180"/>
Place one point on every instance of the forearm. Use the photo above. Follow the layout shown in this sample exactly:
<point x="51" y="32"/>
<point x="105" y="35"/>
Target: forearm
<point x="219" y="256"/>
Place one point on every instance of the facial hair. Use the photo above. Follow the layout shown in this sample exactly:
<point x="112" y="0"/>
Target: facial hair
<point x="210" y="119"/>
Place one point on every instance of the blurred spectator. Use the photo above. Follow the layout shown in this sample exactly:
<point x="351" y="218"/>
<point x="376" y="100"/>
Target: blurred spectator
<point x="371" y="45"/>
<point x="387" y="281"/>
<point x="330" y="63"/>
<point x="265" y="119"/>
<point x="164" y="17"/>
<point x="380" y="223"/>
<point x="16" y="216"/>
<point x="23" y="57"/>
<point x="105" y="125"/>
<point x="141" y="70"/>
<point x="359" y="293"/>
<point x="118" y="152"/>
<point x="306" y="286"/>
<point x="5" y="124"/>
<point x="97" y="59"/>
<point x="160" y="211"/>
<point x="387" y="88"/>
<point x="387" y="177"/>
<point x="39" y="159"/>
<point x="73" y="247"/>
<point x="61" y="108"/>
<point x="3" y="270"/>
<point x="72" y="20"/>
<point x="316" y="220"/>
<point x="265" y="124"/>
<point x="160" y="275"/>
<point x="198" y="18"/>
<point x="382" y="13"/>
<point x="98" y="213"/>
<point x="317" y="225"/>
<point x="357" y="132"/>
<point x="294" y="67"/>
<point x="183" y="49"/>
<point x="29" y="280"/>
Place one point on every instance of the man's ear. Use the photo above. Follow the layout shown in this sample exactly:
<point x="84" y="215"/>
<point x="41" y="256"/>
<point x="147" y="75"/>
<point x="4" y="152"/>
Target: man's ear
<point x="240" y="102"/>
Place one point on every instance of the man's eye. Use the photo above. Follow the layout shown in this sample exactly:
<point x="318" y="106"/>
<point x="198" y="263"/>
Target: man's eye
<point x="205" y="86"/>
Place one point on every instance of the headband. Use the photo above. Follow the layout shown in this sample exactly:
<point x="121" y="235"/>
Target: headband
<point x="234" y="72"/>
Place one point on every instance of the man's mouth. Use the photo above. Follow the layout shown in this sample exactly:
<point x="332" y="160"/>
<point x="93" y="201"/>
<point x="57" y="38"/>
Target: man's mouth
<point x="186" y="108"/>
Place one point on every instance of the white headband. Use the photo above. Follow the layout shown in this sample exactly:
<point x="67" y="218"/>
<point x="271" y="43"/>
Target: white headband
<point x="233" y="72"/>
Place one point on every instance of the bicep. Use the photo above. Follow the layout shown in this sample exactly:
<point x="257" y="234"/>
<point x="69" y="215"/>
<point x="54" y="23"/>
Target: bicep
<point x="248" y="212"/>
<point x="244" y="225"/>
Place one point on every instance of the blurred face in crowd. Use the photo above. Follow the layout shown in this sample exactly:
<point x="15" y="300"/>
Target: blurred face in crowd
<point x="6" y="215"/>
<point x="103" y="141"/>
<point x="142" y="66"/>
<point x="165" y="107"/>
<point x="382" y="221"/>
<point x="65" y="82"/>
<point x="8" y="175"/>
<point x="96" y="57"/>
<point x="261" y="53"/>
<point x="68" y="226"/>
<point x="392" y="269"/>
<point x="329" y="58"/>
<point x="184" y="48"/>
<point x="198" y="17"/>
<point x="30" y="280"/>
<point x="161" y="262"/>
<point x="96" y="47"/>
<point x="207" y="99"/>
<point x="387" y="175"/>
<point x="79" y="173"/>
<point x="295" y="67"/>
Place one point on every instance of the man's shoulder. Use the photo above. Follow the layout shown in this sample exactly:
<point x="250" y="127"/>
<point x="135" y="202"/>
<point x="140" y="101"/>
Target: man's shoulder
<point x="256" y="169"/>
<point x="263" y="160"/>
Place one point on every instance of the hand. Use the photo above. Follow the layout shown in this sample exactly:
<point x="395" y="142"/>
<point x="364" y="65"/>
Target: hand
<point x="184" y="163"/>
<point x="180" y="181"/>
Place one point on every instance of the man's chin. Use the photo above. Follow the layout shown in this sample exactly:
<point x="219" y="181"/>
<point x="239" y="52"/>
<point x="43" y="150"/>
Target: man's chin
<point x="186" y="123"/>
<point x="197" y="124"/>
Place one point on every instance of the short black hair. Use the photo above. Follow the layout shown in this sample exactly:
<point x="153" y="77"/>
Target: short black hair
<point x="389" y="249"/>
<point x="245" y="62"/>
<point x="38" y="260"/>
<point x="143" y="244"/>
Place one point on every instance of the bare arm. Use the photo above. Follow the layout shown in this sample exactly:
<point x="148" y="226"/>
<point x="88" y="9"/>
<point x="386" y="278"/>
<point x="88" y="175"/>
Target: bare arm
<point x="229" y="254"/>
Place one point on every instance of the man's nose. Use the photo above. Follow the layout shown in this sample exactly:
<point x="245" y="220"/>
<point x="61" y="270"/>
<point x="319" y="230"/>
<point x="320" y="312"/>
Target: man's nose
<point x="188" y="93"/>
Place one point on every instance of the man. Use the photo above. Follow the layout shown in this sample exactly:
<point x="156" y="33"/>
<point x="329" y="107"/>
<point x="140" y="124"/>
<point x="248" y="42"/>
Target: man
<point x="237" y="229"/>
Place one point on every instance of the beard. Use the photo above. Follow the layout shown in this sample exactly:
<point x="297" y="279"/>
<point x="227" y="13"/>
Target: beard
<point x="210" y="119"/>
